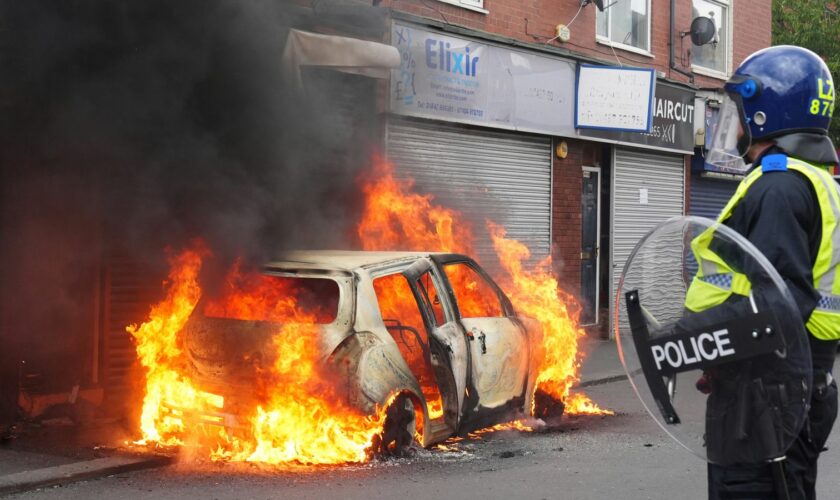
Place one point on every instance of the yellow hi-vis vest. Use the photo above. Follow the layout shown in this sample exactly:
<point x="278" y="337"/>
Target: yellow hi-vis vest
<point x="715" y="281"/>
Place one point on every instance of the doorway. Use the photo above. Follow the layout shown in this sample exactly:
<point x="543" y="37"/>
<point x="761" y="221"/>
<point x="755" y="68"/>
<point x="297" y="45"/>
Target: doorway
<point x="590" y="201"/>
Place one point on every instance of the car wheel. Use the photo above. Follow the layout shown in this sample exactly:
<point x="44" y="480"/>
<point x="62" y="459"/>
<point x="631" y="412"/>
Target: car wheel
<point x="546" y="406"/>
<point x="397" y="438"/>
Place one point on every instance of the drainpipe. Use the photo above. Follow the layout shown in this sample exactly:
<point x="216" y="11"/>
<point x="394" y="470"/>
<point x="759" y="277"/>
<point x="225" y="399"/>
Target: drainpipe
<point x="671" y="51"/>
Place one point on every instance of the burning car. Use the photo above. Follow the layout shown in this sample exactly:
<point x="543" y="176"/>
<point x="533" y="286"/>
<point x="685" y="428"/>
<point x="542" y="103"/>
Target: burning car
<point x="429" y="336"/>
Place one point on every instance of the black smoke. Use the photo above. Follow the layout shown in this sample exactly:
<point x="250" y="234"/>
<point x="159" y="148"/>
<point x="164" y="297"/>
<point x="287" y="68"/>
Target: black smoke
<point x="129" y="127"/>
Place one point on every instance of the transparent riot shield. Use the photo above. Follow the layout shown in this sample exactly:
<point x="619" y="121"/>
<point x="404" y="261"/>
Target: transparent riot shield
<point x="712" y="342"/>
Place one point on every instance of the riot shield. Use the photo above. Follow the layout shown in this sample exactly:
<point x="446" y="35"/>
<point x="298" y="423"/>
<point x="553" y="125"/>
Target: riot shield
<point x="730" y="378"/>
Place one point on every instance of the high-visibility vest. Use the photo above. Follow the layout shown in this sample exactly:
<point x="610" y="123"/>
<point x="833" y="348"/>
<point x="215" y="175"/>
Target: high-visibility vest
<point x="715" y="281"/>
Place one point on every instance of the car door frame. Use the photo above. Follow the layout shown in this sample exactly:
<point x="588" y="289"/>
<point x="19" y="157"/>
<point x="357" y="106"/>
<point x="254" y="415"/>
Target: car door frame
<point x="481" y="418"/>
<point x="444" y="340"/>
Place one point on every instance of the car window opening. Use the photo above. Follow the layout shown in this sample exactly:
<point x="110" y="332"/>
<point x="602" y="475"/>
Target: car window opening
<point x="279" y="299"/>
<point x="404" y="321"/>
<point x="476" y="297"/>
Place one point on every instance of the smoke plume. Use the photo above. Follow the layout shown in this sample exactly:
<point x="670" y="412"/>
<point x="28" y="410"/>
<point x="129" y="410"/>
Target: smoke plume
<point x="128" y="127"/>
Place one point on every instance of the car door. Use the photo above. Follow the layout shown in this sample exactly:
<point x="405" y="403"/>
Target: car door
<point x="449" y="351"/>
<point x="497" y="343"/>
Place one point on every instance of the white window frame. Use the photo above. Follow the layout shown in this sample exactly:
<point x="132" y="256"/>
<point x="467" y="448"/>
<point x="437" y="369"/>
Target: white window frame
<point x="630" y="48"/>
<point x="729" y="5"/>
<point x="473" y="5"/>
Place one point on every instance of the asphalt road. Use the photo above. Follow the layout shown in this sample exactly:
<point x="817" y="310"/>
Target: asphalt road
<point x="625" y="456"/>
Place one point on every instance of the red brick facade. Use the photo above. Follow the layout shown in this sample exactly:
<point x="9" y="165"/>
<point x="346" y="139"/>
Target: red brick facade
<point x="534" y="21"/>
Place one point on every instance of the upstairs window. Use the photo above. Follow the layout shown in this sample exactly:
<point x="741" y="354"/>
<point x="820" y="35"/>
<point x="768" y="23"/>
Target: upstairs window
<point x="476" y="5"/>
<point x="714" y="56"/>
<point x="626" y="23"/>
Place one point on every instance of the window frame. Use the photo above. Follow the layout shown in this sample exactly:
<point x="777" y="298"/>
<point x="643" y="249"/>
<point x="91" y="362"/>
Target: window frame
<point x="473" y="5"/>
<point x="505" y="307"/>
<point x="607" y="40"/>
<point x="428" y="304"/>
<point x="729" y="6"/>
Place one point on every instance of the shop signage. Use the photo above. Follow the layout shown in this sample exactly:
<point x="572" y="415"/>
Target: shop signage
<point x="673" y="123"/>
<point x="450" y="78"/>
<point x="614" y="98"/>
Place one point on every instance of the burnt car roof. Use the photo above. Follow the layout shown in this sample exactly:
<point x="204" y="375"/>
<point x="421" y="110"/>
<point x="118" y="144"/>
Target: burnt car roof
<point x="345" y="260"/>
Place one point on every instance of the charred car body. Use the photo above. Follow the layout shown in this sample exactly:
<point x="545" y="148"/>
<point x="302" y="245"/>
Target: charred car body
<point x="433" y="328"/>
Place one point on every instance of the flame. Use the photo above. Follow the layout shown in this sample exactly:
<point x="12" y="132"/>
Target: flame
<point x="397" y="304"/>
<point x="299" y="415"/>
<point x="396" y="218"/>
<point x="536" y="294"/>
<point x="255" y="296"/>
<point x="157" y="349"/>
<point x="302" y="419"/>
<point x="521" y="425"/>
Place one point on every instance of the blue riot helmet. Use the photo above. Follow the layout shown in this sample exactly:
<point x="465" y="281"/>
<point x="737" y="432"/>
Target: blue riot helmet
<point x="783" y="94"/>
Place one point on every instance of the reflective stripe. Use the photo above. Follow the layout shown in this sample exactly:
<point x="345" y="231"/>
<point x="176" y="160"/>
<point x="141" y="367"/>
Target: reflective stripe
<point x="829" y="303"/>
<point x="828" y="259"/>
<point x="715" y="280"/>
<point x="720" y="280"/>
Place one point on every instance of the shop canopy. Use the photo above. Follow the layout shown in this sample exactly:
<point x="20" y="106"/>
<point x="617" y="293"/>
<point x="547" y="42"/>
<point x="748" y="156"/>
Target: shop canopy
<point x="349" y="55"/>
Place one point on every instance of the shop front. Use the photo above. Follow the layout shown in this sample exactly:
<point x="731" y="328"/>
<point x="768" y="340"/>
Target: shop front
<point x="648" y="181"/>
<point x="472" y="123"/>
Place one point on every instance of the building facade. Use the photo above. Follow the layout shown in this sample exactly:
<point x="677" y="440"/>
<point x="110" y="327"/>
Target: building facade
<point x="606" y="187"/>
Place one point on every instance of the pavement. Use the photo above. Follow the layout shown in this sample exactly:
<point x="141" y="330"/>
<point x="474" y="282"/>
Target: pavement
<point x="61" y="454"/>
<point x="600" y="363"/>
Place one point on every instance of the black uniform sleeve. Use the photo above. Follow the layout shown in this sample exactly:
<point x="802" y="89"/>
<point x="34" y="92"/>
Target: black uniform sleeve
<point x="780" y="216"/>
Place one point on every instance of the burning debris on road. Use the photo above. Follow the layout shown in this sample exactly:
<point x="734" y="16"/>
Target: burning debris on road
<point x="308" y="397"/>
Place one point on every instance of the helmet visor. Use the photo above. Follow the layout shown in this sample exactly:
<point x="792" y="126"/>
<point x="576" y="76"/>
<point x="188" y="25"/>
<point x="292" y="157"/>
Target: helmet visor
<point x="730" y="138"/>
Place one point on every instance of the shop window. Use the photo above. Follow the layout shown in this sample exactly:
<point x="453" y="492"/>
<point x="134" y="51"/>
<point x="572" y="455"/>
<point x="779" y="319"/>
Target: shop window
<point x="713" y="56"/>
<point x="476" y="297"/>
<point x="625" y="24"/>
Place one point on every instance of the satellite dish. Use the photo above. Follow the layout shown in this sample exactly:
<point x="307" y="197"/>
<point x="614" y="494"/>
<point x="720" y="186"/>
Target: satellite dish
<point x="598" y="3"/>
<point x="703" y="31"/>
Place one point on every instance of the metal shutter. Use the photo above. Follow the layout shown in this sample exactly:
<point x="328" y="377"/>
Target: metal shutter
<point x="663" y="176"/>
<point x="485" y="174"/>
<point x="709" y="196"/>
<point x="131" y="289"/>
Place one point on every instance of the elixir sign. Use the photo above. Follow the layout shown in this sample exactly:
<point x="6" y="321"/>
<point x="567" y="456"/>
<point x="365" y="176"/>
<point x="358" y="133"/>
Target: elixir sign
<point x="451" y="78"/>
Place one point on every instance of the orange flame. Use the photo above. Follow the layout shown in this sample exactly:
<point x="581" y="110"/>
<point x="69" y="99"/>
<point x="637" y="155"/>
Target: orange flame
<point x="157" y="349"/>
<point x="396" y="218"/>
<point x="299" y="416"/>
<point x="537" y="294"/>
<point x="302" y="420"/>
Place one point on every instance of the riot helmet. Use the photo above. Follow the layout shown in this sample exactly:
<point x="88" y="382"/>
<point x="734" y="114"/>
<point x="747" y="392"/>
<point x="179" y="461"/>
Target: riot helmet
<point x="784" y="94"/>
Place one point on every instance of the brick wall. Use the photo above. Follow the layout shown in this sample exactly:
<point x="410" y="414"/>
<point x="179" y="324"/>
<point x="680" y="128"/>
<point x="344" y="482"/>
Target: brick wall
<point x="566" y="211"/>
<point x="534" y="21"/>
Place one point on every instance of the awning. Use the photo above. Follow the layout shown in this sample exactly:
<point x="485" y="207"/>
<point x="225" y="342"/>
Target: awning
<point x="349" y="55"/>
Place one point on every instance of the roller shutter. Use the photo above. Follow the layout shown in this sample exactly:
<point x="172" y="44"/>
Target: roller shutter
<point x="485" y="174"/>
<point x="648" y="188"/>
<point x="709" y="196"/>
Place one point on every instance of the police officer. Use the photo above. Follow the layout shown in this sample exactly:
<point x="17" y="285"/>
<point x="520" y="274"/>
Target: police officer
<point x="776" y="114"/>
